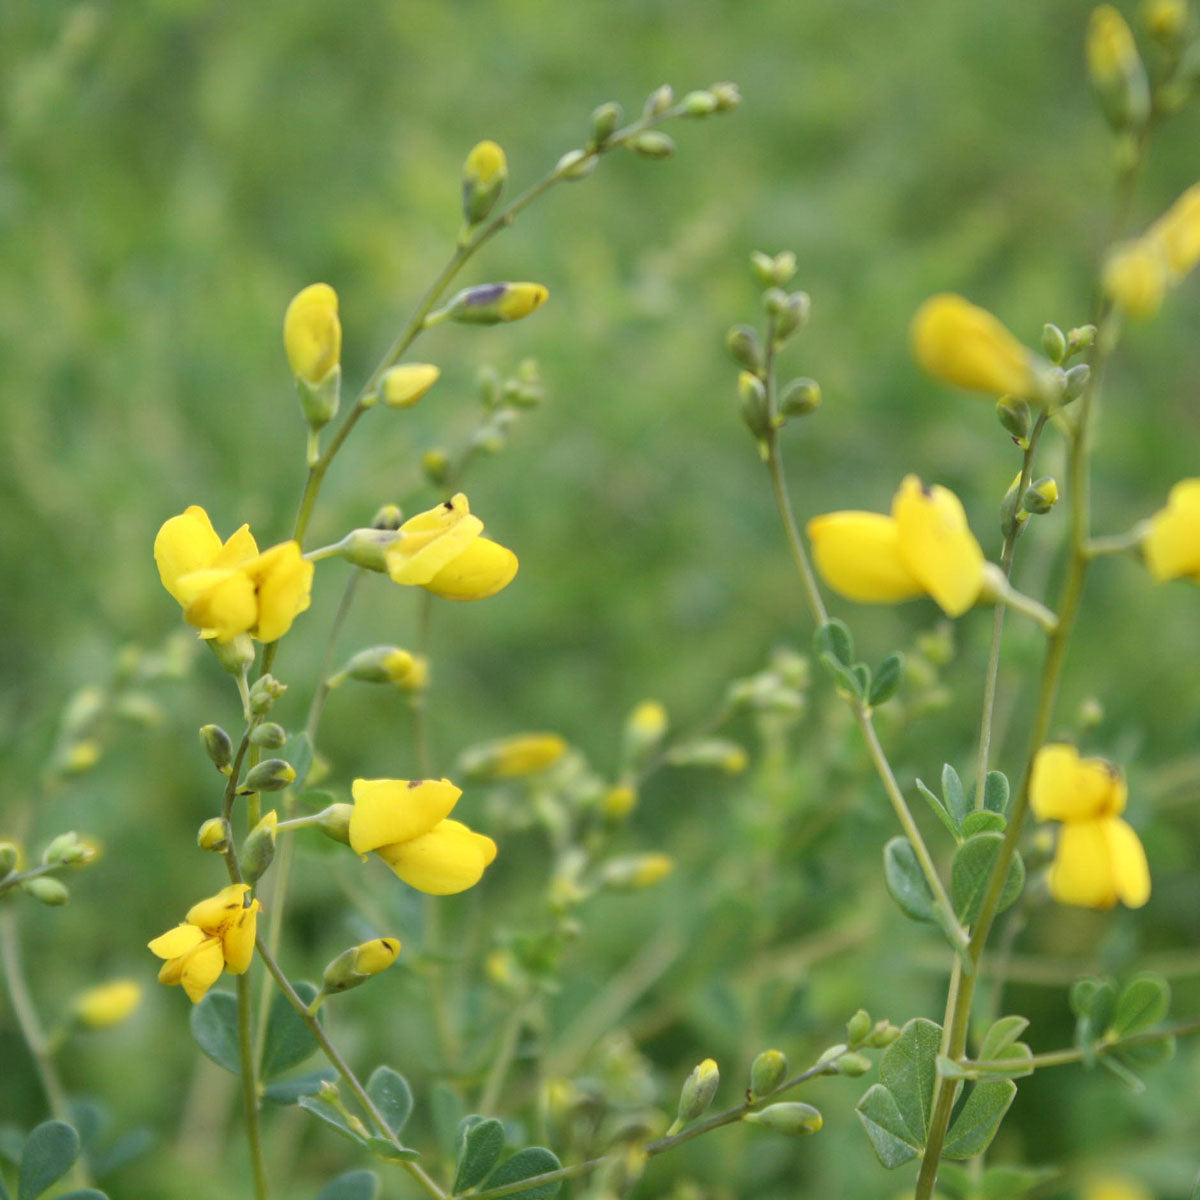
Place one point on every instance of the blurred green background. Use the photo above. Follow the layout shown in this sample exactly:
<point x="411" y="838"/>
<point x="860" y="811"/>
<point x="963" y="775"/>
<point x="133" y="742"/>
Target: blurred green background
<point x="172" y="171"/>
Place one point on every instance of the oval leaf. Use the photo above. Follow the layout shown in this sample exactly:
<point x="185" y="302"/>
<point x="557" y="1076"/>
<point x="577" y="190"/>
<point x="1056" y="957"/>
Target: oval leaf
<point x="1144" y="1001"/>
<point x="288" y="1040"/>
<point x="935" y="802"/>
<point x="908" y="1069"/>
<point x="983" y="822"/>
<point x="995" y="792"/>
<point x="905" y="881"/>
<point x="953" y="793"/>
<point x="482" y="1143"/>
<point x="979" y="1118"/>
<point x="213" y="1023"/>
<point x="526" y="1164"/>
<point x="50" y="1151"/>
<point x="1003" y="1033"/>
<point x="887" y="679"/>
<point x="392" y="1096"/>
<point x="891" y="1139"/>
<point x="971" y="870"/>
<point x="353" y="1185"/>
<point x="834" y="639"/>
<point x="289" y="1091"/>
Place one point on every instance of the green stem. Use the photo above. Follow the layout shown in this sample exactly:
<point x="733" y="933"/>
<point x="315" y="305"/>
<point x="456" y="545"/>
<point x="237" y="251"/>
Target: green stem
<point x="11" y="881"/>
<point x="490" y="1096"/>
<point x="250" y="1088"/>
<point x="317" y="707"/>
<point x="331" y="1052"/>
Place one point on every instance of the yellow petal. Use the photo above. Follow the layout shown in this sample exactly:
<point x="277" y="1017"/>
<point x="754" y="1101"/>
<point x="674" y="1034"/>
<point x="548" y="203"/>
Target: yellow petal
<point x="215" y="913"/>
<point x="237" y="942"/>
<point x="177" y="941"/>
<point x="240" y="548"/>
<point x="108" y="1004"/>
<point x="184" y="544"/>
<point x="201" y="969"/>
<point x="396" y="810"/>
<point x="1065" y="787"/>
<point x="956" y="342"/>
<point x="858" y="555"/>
<point x="376" y="955"/>
<point x="1135" y="277"/>
<point x="1131" y="872"/>
<point x="479" y="571"/>
<point x="312" y="333"/>
<point x="937" y="546"/>
<point x="449" y="858"/>
<point x="1172" y="547"/>
<point x="432" y="539"/>
<point x="221" y="602"/>
<point x="1082" y="871"/>
<point x="1178" y="232"/>
<point x="283" y="580"/>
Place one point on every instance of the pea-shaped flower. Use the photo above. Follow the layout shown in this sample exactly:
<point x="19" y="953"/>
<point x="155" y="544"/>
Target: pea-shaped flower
<point x="228" y="588"/>
<point x="217" y="936"/>
<point x="1098" y="859"/>
<point x="405" y="823"/>
<point x="1172" y="542"/>
<point x="442" y="551"/>
<point x="312" y="333"/>
<point x="924" y="547"/>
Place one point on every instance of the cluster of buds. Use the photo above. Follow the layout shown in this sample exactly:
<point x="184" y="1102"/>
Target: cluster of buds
<point x="64" y="851"/>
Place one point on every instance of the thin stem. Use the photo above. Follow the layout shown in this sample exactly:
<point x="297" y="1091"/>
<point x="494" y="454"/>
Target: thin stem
<point x="503" y="1060"/>
<point x="331" y="1052"/>
<point x="11" y="881"/>
<point x="317" y="708"/>
<point x="250" y="1089"/>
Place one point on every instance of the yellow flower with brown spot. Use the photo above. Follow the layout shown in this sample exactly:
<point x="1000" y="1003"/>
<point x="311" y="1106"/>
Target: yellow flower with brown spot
<point x="442" y="551"/>
<point x="406" y="823"/>
<point x="228" y="588"/>
<point x="218" y="935"/>
<point x="1172" y="543"/>
<point x="1098" y="859"/>
<point x="925" y="547"/>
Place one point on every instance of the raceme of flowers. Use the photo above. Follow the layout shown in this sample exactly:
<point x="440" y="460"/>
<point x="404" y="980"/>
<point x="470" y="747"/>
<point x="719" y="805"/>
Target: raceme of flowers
<point x="217" y="936"/>
<point x="229" y="588"/>
<point x="406" y="823"/>
<point x="924" y="547"/>
<point x="1098" y="858"/>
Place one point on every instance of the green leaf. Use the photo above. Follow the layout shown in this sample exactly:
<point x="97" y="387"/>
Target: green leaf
<point x="935" y="802"/>
<point x="1102" y="1006"/>
<point x="953" y="794"/>
<point x="84" y="1194"/>
<point x="392" y="1096"/>
<point x="1143" y="1002"/>
<point x="213" y="1023"/>
<point x="891" y="1139"/>
<point x="983" y="822"/>
<point x="843" y="676"/>
<point x="288" y="1091"/>
<point x="834" y="639"/>
<point x="954" y="1181"/>
<point x="388" y="1150"/>
<point x="888" y="676"/>
<point x="298" y="751"/>
<point x="906" y="882"/>
<point x="862" y="675"/>
<point x="50" y="1151"/>
<point x="1002" y="1034"/>
<point x="125" y="1149"/>
<point x="353" y="1185"/>
<point x="481" y="1144"/>
<point x="908" y="1068"/>
<point x="1148" y="1054"/>
<point x="995" y="792"/>
<point x="971" y="870"/>
<point x="3" y="1190"/>
<point x="331" y="1117"/>
<point x="12" y="1138"/>
<point x="447" y="1113"/>
<point x="1017" y="1061"/>
<point x="525" y="1164"/>
<point x="288" y="1040"/>
<point x="1127" y="1076"/>
<point x="980" y="1117"/>
<point x="1006" y="1183"/>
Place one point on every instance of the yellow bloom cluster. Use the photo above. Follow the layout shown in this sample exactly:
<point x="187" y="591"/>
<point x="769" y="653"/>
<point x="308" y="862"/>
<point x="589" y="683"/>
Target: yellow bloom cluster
<point x="217" y="936"/>
<point x="1172" y="544"/>
<point x="441" y="550"/>
<point x="405" y="823"/>
<point x="230" y="588"/>
<point x="924" y="547"/>
<point x="1098" y="859"/>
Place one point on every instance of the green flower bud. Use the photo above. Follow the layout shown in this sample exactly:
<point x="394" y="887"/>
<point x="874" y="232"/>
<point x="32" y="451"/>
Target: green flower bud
<point x="271" y="775"/>
<point x="1016" y="417"/>
<point x="390" y="516"/>
<point x="1116" y="70"/>
<point x="1041" y="496"/>
<point x="645" y="727"/>
<point x="653" y="144"/>
<point x="258" y="850"/>
<point x="699" y="104"/>
<point x="576" y="165"/>
<point x="1054" y="342"/>
<point x="858" y="1027"/>
<point x="493" y="303"/>
<point x="355" y="966"/>
<point x="698" y="1091"/>
<point x="1077" y="378"/>
<point x="367" y="548"/>
<point x="60" y="847"/>
<point x="379" y="664"/>
<point x="763" y="266"/>
<point x="334" y="822"/>
<point x="264" y="691"/>
<point x="799" y="398"/>
<point x="1080" y="338"/>
<point x="728" y="96"/>
<point x="214" y="835"/>
<point x="767" y="1072"/>
<point x="792" y="316"/>
<point x="234" y="656"/>
<point x="268" y="735"/>
<point x="752" y="399"/>
<point x="46" y="890"/>
<point x="605" y="120"/>
<point x="320" y="401"/>
<point x="721" y="753"/>
<point x="792" y="1116"/>
<point x="9" y="857"/>
<point x="633" y="872"/>
<point x="659" y="101"/>
<point x="883" y="1035"/>
<point x="745" y="349"/>
<point x="853" y="1065"/>
<point x="484" y="174"/>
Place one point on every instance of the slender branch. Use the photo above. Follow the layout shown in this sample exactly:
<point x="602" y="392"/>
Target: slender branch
<point x="490" y="1097"/>
<point x="11" y="881"/>
<point x="250" y="1088"/>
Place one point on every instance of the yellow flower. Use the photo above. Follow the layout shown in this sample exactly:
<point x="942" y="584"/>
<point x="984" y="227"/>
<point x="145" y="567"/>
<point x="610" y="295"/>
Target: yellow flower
<point x="1172" y="545"/>
<point x="230" y="588"/>
<point x="1135" y="277"/>
<point x="217" y="935"/>
<point x="312" y="333"/>
<point x="107" y="1004"/>
<point x="924" y="548"/>
<point x="1098" y="859"/>
<point x="441" y="551"/>
<point x="403" y="386"/>
<point x="958" y="343"/>
<point x="1165" y="19"/>
<point x="513" y="757"/>
<point x="1177" y="233"/>
<point x="405" y="823"/>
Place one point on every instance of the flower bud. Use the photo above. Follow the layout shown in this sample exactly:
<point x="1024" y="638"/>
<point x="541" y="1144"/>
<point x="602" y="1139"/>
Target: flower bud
<point x="858" y="1027"/>
<point x="659" y="101"/>
<point x="258" y="850"/>
<point x="698" y="1091"/>
<point x="653" y="144"/>
<point x="268" y="735"/>
<point x="367" y="548"/>
<point x="792" y="1116"/>
<point x="264" y="691"/>
<point x="1041" y="496"/>
<point x="853" y="1065"/>
<point x="1116" y="69"/>
<point x="214" y="835"/>
<point x="1135" y="278"/>
<point x="709" y="752"/>
<point x="60" y="848"/>
<point x="791" y="316"/>
<point x="728" y="96"/>
<point x="1177" y="233"/>
<point x="1016" y="417"/>
<point x="752" y="400"/>
<point x="484" y="176"/>
<point x="645" y="728"/>
<point x="605" y="120"/>
<point x="107" y="1005"/>
<point x="9" y="857"/>
<point x="699" y="104"/>
<point x="491" y="303"/>
<point x="270" y="775"/>
<point x="767" y="1072"/>
<point x="1076" y="380"/>
<point x="312" y="333"/>
<point x="883" y="1035"/>
<point x="1054" y="342"/>
<point x="799" y="398"/>
<point x="379" y="664"/>
<point x="618" y="802"/>
<point x="355" y="966"/>
<point x="513" y="757"/>
<point x="632" y="872"/>
<point x="576" y="165"/>
<point x="1166" y="20"/>
<point x="403" y="386"/>
<point x="235" y="655"/>
<point x="745" y="349"/>
<point x="218" y="745"/>
<point x="389" y="517"/>
<point x="47" y="890"/>
<point x="334" y="822"/>
<point x="80" y="756"/>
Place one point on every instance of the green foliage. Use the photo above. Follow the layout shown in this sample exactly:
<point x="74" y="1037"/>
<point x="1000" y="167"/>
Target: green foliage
<point x="288" y="1042"/>
<point x="481" y="1142"/>
<point x="213" y="1023"/>
<point x="49" y="1152"/>
<point x="393" y="1097"/>
<point x="353" y="1185"/>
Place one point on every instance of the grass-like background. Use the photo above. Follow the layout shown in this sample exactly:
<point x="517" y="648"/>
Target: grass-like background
<point x="172" y="171"/>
